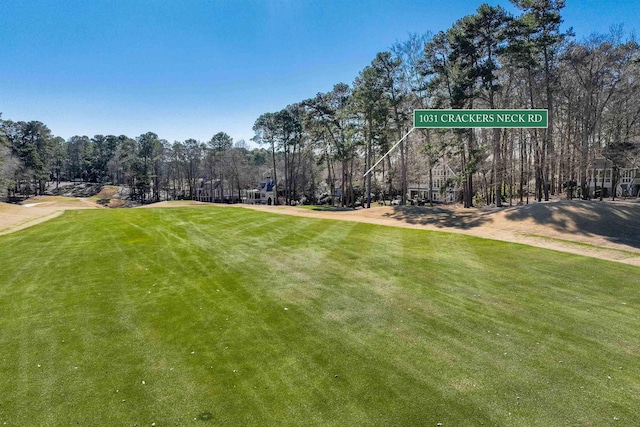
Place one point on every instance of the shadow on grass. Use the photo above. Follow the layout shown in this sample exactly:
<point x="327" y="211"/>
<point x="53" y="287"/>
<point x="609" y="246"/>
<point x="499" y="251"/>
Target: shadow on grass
<point x="326" y="208"/>
<point x="439" y="217"/>
<point x="616" y="222"/>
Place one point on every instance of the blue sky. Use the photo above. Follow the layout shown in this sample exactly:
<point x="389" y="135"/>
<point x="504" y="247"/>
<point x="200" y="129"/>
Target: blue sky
<point x="189" y="69"/>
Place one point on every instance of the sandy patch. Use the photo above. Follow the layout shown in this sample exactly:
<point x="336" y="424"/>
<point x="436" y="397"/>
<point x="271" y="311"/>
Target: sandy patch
<point x="107" y="192"/>
<point x="37" y="210"/>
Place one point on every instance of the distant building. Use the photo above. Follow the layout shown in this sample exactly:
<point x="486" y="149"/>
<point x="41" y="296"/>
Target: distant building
<point x="263" y="195"/>
<point x="628" y="181"/>
<point x="442" y="189"/>
<point x="215" y="191"/>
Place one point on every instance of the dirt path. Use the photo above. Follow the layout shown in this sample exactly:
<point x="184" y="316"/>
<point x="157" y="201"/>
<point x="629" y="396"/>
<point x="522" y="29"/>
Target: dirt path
<point x="38" y="210"/>
<point x="609" y="231"/>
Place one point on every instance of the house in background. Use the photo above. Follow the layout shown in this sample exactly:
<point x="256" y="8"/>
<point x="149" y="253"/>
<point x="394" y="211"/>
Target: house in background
<point x="263" y="195"/>
<point x="630" y="182"/>
<point x="603" y="173"/>
<point x="215" y="191"/>
<point x="442" y="189"/>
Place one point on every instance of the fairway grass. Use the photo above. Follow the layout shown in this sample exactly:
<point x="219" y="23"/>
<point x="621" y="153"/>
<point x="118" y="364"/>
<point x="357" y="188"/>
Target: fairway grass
<point x="228" y="316"/>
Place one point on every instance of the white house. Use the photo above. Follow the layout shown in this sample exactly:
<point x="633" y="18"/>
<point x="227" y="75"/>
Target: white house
<point x="442" y="190"/>
<point x="263" y="195"/>
<point x="602" y="174"/>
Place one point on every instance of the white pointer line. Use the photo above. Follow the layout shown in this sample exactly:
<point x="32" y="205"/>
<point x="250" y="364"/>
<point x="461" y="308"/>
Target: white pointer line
<point x="390" y="150"/>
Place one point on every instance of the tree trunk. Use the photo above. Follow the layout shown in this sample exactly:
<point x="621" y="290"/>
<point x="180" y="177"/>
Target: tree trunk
<point x="604" y="172"/>
<point x="497" y="169"/>
<point x="368" y="162"/>
<point x="275" y="179"/>
<point x="329" y="176"/>
<point x="430" y="184"/>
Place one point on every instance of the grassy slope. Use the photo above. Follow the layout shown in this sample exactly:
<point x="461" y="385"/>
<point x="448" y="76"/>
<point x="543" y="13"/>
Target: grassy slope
<point x="245" y="318"/>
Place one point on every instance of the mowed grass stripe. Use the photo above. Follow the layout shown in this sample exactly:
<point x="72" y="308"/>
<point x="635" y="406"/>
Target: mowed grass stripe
<point x="247" y="318"/>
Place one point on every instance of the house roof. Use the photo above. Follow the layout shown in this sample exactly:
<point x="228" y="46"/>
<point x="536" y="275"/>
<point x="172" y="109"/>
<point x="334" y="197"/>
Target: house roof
<point x="604" y="163"/>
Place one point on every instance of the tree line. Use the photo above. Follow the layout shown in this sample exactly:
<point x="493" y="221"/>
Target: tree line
<point x="320" y="147"/>
<point x="152" y="168"/>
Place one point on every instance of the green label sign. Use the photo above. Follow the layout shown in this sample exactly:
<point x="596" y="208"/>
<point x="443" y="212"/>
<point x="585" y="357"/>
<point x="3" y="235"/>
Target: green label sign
<point x="480" y="118"/>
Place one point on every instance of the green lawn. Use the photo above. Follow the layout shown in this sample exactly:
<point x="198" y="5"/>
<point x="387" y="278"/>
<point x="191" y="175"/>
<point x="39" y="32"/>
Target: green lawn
<point x="227" y="316"/>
